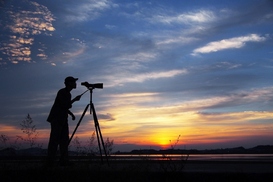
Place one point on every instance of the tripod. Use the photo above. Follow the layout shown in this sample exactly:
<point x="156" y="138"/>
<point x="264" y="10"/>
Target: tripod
<point x="96" y="123"/>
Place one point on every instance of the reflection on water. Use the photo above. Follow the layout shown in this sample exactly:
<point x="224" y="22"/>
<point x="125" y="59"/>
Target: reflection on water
<point x="196" y="157"/>
<point x="237" y="157"/>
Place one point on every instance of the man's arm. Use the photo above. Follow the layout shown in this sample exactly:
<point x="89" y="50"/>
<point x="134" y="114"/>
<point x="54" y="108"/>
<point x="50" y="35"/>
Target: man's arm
<point x="77" y="98"/>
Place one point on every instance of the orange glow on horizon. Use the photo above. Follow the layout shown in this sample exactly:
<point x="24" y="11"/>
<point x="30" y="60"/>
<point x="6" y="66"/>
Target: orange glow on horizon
<point x="152" y="127"/>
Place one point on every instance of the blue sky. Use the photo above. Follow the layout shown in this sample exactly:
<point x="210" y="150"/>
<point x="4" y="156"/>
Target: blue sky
<point x="198" y="69"/>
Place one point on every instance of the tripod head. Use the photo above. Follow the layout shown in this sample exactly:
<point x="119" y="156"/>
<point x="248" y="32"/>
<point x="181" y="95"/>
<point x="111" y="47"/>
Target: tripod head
<point x="92" y="86"/>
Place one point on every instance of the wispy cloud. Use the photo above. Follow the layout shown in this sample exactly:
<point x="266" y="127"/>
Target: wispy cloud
<point x="232" y="43"/>
<point x="141" y="56"/>
<point x="239" y="98"/>
<point x="141" y="77"/>
<point x="175" y="40"/>
<point x="262" y="95"/>
<point x="88" y="10"/>
<point x="200" y="16"/>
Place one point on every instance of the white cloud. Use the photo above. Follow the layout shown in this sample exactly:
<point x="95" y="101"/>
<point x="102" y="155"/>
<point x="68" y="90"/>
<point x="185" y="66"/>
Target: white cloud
<point x="232" y="43"/>
<point x="140" y="57"/>
<point x="144" y="76"/>
<point x="176" y="39"/>
<point x="89" y="10"/>
<point x="201" y="16"/>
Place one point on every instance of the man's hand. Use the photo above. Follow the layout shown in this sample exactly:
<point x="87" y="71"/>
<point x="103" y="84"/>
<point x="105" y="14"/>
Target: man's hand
<point x="73" y="117"/>
<point x="77" y="98"/>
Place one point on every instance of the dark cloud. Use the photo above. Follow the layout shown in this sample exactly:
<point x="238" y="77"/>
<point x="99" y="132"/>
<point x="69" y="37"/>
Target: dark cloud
<point x="254" y="13"/>
<point x="107" y="117"/>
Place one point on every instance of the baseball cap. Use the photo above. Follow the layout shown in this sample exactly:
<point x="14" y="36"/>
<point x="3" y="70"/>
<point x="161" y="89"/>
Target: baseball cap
<point x="70" y="79"/>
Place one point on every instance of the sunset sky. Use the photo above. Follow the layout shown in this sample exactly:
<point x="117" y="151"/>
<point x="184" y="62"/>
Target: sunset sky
<point x="198" y="71"/>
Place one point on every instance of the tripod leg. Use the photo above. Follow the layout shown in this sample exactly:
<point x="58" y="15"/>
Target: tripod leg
<point x="101" y="138"/>
<point x="98" y="139"/>
<point x="99" y="135"/>
<point x="78" y="123"/>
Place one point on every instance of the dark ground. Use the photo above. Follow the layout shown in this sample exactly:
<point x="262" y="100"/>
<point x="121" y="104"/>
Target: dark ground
<point x="131" y="171"/>
<point x="85" y="175"/>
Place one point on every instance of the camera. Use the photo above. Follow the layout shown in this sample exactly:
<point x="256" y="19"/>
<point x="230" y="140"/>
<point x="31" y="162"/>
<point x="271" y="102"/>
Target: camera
<point x="95" y="85"/>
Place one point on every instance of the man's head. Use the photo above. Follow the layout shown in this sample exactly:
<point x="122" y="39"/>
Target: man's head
<point x="70" y="82"/>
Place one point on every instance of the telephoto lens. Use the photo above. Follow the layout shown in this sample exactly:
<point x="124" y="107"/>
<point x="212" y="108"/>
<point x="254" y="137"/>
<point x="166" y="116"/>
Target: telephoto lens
<point x="95" y="85"/>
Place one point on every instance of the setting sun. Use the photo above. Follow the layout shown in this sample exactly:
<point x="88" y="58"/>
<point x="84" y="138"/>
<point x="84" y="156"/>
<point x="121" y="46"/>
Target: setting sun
<point x="163" y="142"/>
<point x="162" y="139"/>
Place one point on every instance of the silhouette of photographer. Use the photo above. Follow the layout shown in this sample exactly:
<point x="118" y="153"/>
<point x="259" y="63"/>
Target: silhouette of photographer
<point x="58" y="118"/>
